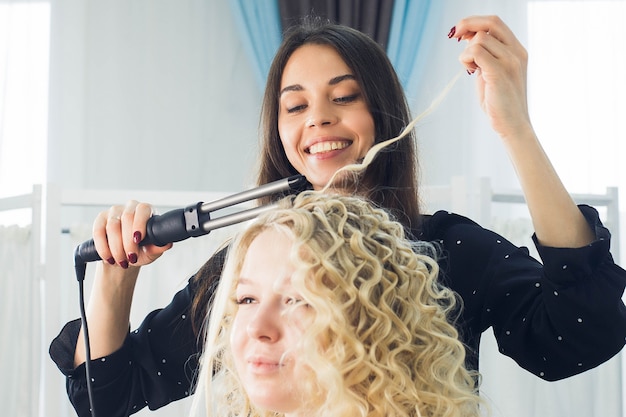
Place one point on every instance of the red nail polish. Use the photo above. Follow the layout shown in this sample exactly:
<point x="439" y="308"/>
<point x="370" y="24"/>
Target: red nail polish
<point x="124" y="264"/>
<point x="452" y="32"/>
<point x="132" y="258"/>
<point x="137" y="237"/>
<point x="111" y="261"/>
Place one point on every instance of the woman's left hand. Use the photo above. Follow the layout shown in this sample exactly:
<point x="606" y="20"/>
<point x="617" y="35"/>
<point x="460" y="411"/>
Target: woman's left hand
<point x="499" y="62"/>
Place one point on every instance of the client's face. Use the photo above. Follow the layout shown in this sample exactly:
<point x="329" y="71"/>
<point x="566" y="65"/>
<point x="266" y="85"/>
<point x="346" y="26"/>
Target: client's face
<point x="267" y="327"/>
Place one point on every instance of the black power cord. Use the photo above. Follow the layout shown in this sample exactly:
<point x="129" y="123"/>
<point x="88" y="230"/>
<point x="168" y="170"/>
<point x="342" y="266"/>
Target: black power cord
<point x="80" y="268"/>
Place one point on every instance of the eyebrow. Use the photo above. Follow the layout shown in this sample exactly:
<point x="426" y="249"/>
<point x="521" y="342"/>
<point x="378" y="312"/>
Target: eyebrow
<point x="333" y="81"/>
<point x="243" y="281"/>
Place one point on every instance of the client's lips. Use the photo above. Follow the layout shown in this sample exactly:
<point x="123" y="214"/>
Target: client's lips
<point x="264" y="365"/>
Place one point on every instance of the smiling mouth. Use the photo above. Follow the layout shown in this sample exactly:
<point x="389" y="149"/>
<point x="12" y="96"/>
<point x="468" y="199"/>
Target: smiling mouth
<point x="322" y="147"/>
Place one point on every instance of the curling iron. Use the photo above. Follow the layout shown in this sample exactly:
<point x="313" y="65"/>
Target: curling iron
<point x="195" y="220"/>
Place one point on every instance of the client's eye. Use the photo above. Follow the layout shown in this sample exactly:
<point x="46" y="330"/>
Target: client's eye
<point x="293" y="301"/>
<point x="245" y="300"/>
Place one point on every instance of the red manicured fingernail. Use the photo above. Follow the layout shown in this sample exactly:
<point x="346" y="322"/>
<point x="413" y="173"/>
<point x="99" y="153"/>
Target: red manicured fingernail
<point x="111" y="261"/>
<point x="137" y="237"/>
<point x="452" y="32"/>
<point x="132" y="258"/>
<point x="124" y="264"/>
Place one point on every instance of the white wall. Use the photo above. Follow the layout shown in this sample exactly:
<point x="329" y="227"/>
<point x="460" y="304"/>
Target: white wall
<point x="150" y="95"/>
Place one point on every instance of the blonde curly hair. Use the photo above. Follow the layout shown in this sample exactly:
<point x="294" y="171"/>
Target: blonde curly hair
<point x="381" y="341"/>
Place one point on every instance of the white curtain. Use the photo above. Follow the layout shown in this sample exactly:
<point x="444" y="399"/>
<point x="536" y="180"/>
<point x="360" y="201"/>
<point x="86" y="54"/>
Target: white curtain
<point x="20" y="323"/>
<point x="24" y="38"/>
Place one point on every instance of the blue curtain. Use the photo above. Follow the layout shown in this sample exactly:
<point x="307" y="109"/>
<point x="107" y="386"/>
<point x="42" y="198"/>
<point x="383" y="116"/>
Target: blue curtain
<point x="414" y="24"/>
<point x="259" y="23"/>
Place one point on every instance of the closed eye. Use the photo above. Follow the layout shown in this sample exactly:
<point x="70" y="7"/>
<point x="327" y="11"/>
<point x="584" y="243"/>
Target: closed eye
<point x="347" y="99"/>
<point x="296" y="109"/>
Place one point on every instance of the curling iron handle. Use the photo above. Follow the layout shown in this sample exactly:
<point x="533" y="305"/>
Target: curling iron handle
<point x="160" y="230"/>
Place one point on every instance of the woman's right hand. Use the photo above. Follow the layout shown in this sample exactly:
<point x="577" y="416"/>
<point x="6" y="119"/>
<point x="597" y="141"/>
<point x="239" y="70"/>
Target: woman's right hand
<point x="116" y="235"/>
<point x="118" y="231"/>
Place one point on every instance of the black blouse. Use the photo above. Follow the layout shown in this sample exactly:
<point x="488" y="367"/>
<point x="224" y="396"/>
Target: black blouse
<point x="555" y="319"/>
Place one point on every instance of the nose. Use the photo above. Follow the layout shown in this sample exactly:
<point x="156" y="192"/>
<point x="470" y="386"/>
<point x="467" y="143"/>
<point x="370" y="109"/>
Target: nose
<point x="265" y="325"/>
<point x="321" y="115"/>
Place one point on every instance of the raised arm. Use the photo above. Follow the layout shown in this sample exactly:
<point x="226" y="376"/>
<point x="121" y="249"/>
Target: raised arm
<point x="499" y="62"/>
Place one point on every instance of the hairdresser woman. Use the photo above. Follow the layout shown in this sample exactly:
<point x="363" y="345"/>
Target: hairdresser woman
<point x="331" y="94"/>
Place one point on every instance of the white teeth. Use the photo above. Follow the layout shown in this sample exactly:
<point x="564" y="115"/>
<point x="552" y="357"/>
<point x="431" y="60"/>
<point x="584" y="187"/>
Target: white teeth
<point x="327" y="146"/>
